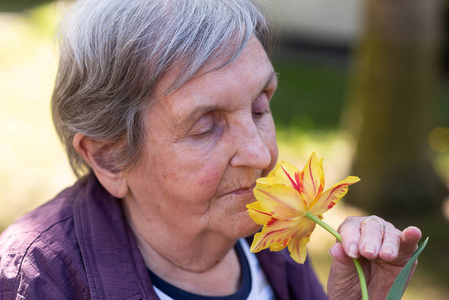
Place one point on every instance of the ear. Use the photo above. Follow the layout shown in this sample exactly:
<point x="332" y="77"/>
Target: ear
<point x="90" y="150"/>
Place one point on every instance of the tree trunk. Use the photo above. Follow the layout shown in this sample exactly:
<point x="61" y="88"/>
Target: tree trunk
<point x="391" y="112"/>
<point x="392" y="108"/>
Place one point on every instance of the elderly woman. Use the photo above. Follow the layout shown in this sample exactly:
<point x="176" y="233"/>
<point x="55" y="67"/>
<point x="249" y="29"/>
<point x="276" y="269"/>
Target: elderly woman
<point x="164" y="109"/>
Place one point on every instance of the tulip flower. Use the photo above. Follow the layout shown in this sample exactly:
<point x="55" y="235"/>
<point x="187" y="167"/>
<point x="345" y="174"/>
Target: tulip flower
<point x="285" y="198"/>
<point x="289" y="205"/>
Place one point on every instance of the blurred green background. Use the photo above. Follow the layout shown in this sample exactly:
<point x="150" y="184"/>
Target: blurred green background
<point x="375" y="105"/>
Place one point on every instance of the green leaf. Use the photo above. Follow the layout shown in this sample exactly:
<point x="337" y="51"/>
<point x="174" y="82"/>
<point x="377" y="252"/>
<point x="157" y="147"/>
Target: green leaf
<point x="399" y="284"/>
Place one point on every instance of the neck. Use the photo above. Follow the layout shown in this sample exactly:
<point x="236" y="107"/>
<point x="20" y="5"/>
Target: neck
<point x="203" y="263"/>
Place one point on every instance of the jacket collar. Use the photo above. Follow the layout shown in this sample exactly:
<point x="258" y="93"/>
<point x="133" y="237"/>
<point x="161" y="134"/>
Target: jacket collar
<point x="113" y="263"/>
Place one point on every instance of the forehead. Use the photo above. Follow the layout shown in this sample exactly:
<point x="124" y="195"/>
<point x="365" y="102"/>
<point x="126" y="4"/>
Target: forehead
<point x="237" y="83"/>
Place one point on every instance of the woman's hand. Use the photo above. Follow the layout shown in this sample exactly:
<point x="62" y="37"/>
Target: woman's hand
<point x="382" y="249"/>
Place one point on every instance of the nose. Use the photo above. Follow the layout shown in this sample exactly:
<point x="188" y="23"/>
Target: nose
<point x="251" y="147"/>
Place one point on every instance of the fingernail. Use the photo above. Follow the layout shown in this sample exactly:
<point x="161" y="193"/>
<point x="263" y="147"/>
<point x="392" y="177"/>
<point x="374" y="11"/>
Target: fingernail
<point x="330" y="253"/>
<point x="388" y="251"/>
<point x="352" y="251"/>
<point x="369" y="249"/>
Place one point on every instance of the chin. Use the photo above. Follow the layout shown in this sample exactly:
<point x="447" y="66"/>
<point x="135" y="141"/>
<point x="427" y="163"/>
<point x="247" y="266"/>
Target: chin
<point x="244" y="227"/>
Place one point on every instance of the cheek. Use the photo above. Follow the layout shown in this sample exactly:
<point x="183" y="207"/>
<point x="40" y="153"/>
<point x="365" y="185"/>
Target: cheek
<point x="208" y="178"/>
<point x="271" y="143"/>
<point x="193" y="177"/>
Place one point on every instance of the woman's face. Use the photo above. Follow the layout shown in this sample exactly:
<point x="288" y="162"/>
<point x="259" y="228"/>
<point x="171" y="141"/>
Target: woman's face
<point x="206" y="144"/>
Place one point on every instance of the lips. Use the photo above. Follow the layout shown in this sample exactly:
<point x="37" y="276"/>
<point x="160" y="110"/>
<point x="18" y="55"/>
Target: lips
<point x="243" y="191"/>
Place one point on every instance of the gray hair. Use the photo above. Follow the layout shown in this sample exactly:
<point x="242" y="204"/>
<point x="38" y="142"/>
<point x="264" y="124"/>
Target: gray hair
<point x="115" y="53"/>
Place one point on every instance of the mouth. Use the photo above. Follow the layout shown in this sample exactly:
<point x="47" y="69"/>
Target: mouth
<point x="243" y="191"/>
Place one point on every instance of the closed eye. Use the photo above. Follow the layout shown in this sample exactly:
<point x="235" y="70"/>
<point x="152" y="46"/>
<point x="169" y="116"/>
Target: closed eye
<point x="261" y="106"/>
<point x="258" y="115"/>
<point x="205" y="132"/>
<point x="205" y="126"/>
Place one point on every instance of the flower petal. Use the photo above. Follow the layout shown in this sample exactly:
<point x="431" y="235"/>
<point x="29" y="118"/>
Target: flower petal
<point x="280" y="201"/>
<point x="333" y="195"/>
<point x="297" y="245"/>
<point x="271" y="180"/>
<point x="283" y="173"/>
<point x="276" y="235"/>
<point x="312" y="180"/>
<point x="256" y="213"/>
<point x="287" y="174"/>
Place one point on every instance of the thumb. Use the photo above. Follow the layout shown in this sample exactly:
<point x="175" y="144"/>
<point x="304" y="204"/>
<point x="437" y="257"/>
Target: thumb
<point x="339" y="256"/>
<point x="343" y="276"/>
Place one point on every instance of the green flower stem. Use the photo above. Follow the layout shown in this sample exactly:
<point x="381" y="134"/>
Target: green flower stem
<point x="357" y="264"/>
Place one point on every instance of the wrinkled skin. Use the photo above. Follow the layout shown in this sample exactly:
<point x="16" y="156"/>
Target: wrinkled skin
<point x="382" y="256"/>
<point x="185" y="201"/>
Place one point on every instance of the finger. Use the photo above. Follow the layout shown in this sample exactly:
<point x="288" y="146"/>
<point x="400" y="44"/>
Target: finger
<point x="409" y="242"/>
<point x="338" y="254"/>
<point x="372" y="233"/>
<point x="391" y="244"/>
<point x="402" y="244"/>
<point x="350" y="236"/>
<point x="411" y="236"/>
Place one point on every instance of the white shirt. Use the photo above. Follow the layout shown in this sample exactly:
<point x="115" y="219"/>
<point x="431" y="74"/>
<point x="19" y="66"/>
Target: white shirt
<point x="260" y="288"/>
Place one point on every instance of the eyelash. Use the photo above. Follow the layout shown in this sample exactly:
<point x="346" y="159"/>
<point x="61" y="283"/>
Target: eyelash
<point x="259" y="115"/>
<point x="256" y="115"/>
<point x="206" y="133"/>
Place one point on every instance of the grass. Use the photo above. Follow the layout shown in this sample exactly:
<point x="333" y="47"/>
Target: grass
<point x="33" y="166"/>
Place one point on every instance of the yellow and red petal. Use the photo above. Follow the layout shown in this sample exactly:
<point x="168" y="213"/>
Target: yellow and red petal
<point x="267" y="180"/>
<point x="277" y="247"/>
<point x="280" y="201"/>
<point x="273" y="172"/>
<point x="276" y="234"/>
<point x="287" y="174"/>
<point x="331" y="196"/>
<point x="312" y="180"/>
<point x="297" y="245"/>
<point x="256" y="213"/>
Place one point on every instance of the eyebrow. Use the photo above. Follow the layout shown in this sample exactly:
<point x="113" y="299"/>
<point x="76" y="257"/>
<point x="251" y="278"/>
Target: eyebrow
<point x="214" y="107"/>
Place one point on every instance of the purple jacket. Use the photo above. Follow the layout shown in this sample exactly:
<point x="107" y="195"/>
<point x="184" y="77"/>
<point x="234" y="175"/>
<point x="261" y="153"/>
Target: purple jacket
<point x="78" y="246"/>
